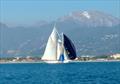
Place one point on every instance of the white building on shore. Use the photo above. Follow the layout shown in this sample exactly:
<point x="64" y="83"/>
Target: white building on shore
<point x="115" y="56"/>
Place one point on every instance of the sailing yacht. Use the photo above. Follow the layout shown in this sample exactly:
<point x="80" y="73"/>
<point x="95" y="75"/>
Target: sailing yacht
<point x="59" y="50"/>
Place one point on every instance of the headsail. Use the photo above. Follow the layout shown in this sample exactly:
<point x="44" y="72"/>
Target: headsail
<point x="69" y="47"/>
<point x="59" y="49"/>
<point x="65" y="55"/>
<point x="51" y="48"/>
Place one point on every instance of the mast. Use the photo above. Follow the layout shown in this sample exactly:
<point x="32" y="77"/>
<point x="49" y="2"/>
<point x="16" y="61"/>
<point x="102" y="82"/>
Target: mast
<point x="56" y="40"/>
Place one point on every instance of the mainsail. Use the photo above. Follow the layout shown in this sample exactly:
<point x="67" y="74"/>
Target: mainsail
<point x="51" y="48"/>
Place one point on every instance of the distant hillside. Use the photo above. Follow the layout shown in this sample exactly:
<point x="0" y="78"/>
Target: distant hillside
<point x="93" y="33"/>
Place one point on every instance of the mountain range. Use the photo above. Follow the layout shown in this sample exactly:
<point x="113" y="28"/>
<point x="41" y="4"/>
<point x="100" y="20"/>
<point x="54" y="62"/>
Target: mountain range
<point x="94" y="33"/>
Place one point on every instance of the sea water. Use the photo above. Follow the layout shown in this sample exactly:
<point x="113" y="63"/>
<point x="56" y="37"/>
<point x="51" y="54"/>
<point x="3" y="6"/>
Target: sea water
<point x="71" y="73"/>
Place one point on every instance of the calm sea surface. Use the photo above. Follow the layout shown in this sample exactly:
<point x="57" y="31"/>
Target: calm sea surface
<point x="72" y="73"/>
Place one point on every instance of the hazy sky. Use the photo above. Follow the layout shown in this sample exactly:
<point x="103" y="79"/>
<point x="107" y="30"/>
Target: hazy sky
<point x="21" y="12"/>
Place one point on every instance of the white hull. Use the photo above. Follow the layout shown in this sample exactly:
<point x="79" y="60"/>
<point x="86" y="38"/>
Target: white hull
<point x="56" y="62"/>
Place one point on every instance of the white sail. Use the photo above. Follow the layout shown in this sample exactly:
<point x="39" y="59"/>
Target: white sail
<point x="65" y="55"/>
<point x="51" y="47"/>
<point x="59" y="49"/>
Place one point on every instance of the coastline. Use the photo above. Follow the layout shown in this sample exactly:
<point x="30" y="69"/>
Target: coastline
<point x="27" y="62"/>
